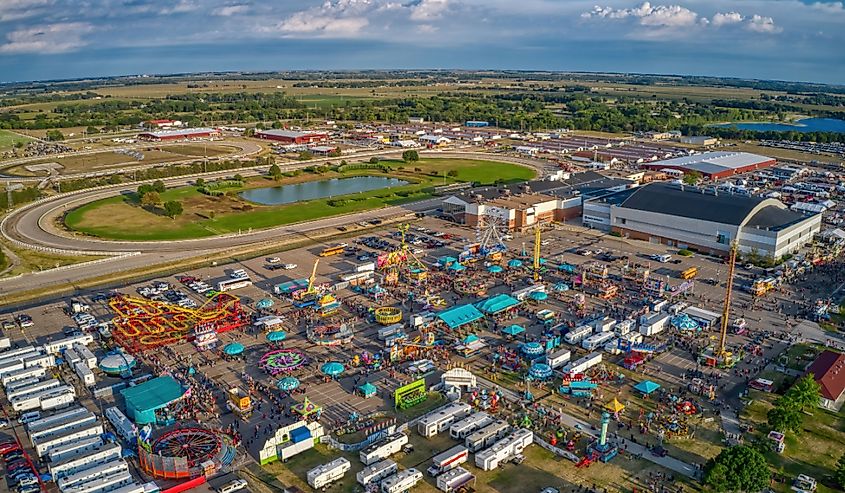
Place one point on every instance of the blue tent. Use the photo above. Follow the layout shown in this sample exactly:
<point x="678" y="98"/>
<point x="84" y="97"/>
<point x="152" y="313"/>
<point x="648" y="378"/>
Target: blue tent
<point x="494" y="269"/>
<point x="684" y="322"/>
<point x="287" y="383"/>
<point x="233" y="349"/>
<point x="264" y="303"/>
<point x="496" y="304"/>
<point x="513" y="330"/>
<point x="561" y="286"/>
<point x="367" y="389"/>
<point x="276" y="336"/>
<point x="515" y="264"/>
<point x="539" y="295"/>
<point x="332" y="368"/>
<point x="446" y="260"/>
<point x="460" y="315"/>
<point x="539" y="371"/>
<point x="646" y="387"/>
<point x="456" y="267"/>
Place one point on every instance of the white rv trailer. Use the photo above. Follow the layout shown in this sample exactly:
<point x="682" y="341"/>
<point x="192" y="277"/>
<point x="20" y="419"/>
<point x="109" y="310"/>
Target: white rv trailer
<point x="504" y="449"/>
<point x="487" y="436"/>
<point x="125" y="429"/>
<point x="401" y="481"/>
<point x="383" y="448"/>
<point x="454" y="480"/>
<point x="71" y="449"/>
<point x="86" y="459"/>
<point x="442" y="418"/>
<point x="326" y="474"/>
<point x="376" y="472"/>
<point x="468" y="425"/>
<point x="43" y="448"/>
<point x="110" y="468"/>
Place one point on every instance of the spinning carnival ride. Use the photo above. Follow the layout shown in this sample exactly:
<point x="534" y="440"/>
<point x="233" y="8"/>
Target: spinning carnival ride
<point x="143" y="324"/>
<point x="401" y="261"/>
<point x="186" y="453"/>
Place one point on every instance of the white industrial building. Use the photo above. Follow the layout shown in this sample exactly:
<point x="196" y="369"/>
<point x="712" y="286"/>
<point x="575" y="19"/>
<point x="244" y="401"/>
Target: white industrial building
<point x="707" y="220"/>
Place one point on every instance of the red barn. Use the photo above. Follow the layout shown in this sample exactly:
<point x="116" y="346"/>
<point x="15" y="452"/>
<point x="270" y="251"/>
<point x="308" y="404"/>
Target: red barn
<point x="292" y="137"/>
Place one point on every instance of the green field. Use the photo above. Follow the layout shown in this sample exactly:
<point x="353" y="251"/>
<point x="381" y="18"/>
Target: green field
<point x="9" y="139"/>
<point x="121" y="217"/>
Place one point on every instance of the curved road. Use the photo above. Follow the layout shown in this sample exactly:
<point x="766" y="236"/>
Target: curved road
<point x="34" y="225"/>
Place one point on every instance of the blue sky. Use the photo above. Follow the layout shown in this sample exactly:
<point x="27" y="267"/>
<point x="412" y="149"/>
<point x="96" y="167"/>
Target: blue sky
<point x="766" y="39"/>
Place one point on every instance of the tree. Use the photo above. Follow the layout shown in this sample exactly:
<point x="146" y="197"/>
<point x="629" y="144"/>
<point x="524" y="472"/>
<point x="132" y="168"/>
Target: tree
<point x="410" y="156"/>
<point x="805" y="392"/>
<point x="200" y="182"/>
<point x="839" y="474"/>
<point x="373" y="160"/>
<point x="238" y="177"/>
<point x="738" y="468"/>
<point x="306" y="155"/>
<point x="150" y="199"/>
<point x="173" y="208"/>
<point x="453" y="173"/>
<point x="92" y="130"/>
<point x="158" y="186"/>
<point x="785" y="416"/>
<point x="54" y="135"/>
<point x="691" y="177"/>
<point x="276" y="172"/>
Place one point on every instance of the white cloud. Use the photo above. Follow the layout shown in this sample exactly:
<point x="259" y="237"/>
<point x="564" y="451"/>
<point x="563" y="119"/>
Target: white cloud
<point x="761" y="24"/>
<point x="50" y="38"/>
<point x="648" y="15"/>
<point x="181" y="7"/>
<point x="334" y="18"/>
<point x="829" y="7"/>
<point x="724" y="19"/>
<point x="230" y="10"/>
<point x="12" y="10"/>
<point x="428" y="10"/>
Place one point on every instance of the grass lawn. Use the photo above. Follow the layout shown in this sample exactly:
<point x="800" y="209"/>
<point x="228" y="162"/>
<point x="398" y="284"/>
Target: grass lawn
<point x="33" y="261"/>
<point x="121" y="217"/>
<point x="813" y="452"/>
<point x="9" y="139"/>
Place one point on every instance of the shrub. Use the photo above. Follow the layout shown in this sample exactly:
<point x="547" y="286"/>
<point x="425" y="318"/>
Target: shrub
<point x="685" y="253"/>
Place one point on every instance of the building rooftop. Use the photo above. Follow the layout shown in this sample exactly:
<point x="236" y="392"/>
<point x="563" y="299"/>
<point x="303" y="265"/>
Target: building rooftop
<point x="180" y="132"/>
<point x="828" y="370"/>
<point x="521" y="201"/>
<point x="695" y="203"/>
<point x="153" y="394"/>
<point x="722" y="159"/>
<point x="290" y="133"/>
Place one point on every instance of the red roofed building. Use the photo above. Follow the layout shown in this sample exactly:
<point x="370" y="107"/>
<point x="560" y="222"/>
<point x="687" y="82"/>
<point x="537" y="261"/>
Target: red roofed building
<point x="829" y="371"/>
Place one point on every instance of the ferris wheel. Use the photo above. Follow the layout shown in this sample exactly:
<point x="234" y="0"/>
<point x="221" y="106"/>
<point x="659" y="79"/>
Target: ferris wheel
<point x="490" y="233"/>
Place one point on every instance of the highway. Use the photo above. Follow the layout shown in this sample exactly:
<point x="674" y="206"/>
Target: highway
<point x="34" y="226"/>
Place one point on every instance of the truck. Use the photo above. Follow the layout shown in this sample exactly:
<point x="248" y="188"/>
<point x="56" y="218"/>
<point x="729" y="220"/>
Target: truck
<point x="401" y="481"/>
<point x="125" y="429"/>
<point x="376" y="472"/>
<point x="578" y="334"/>
<point x="466" y="426"/>
<point x="447" y="460"/>
<point x="455" y="480"/>
<point x="505" y="449"/>
<point x="487" y="436"/>
<point x="383" y="448"/>
<point x="442" y="418"/>
<point x="654" y="324"/>
<point x="582" y="364"/>
<point x="325" y="474"/>
<point x="86" y="376"/>
<point x="596" y="340"/>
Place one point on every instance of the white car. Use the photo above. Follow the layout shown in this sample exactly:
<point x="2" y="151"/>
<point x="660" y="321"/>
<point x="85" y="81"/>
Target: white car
<point x="235" y="485"/>
<point x="662" y="258"/>
<point x="273" y="260"/>
<point x="289" y="266"/>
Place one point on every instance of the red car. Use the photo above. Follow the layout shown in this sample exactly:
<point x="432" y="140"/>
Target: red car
<point x="7" y="447"/>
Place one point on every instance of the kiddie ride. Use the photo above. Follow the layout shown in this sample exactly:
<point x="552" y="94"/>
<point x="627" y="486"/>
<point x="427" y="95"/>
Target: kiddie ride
<point x="330" y="334"/>
<point x="387" y="315"/>
<point x="578" y="385"/>
<point x="315" y="297"/>
<point x="485" y="401"/>
<point x="142" y="324"/>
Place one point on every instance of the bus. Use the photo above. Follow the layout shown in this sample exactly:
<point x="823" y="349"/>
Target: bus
<point x="230" y="284"/>
<point x="334" y="250"/>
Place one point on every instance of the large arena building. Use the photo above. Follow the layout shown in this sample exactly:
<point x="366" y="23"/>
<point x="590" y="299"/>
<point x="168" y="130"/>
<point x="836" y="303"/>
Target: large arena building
<point x="714" y="165"/>
<point x="703" y="219"/>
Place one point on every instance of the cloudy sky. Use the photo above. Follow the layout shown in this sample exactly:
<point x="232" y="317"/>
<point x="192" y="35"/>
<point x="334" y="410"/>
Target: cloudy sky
<point x="766" y="39"/>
